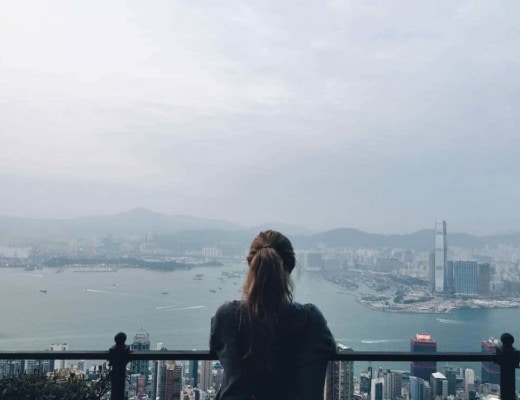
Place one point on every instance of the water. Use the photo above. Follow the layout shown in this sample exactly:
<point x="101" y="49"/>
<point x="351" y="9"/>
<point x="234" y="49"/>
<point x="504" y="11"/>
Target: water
<point x="86" y="310"/>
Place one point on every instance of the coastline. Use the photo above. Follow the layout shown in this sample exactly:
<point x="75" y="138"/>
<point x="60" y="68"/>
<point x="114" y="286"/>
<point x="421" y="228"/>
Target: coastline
<point x="437" y="305"/>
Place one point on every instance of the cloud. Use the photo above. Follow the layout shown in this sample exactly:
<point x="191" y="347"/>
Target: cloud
<point x="354" y="112"/>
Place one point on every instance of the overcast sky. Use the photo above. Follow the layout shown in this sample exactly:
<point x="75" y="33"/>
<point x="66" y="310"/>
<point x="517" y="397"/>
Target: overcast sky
<point x="379" y="115"/>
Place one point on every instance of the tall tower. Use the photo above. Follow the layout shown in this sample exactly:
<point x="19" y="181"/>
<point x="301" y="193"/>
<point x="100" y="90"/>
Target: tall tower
<point x="441" y="255"/>
<point x="339" y="380"/>
<point x="423" y="343"/>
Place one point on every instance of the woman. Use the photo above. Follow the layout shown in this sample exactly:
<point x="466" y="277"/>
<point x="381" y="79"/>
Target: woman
<point x="270" y="346"/>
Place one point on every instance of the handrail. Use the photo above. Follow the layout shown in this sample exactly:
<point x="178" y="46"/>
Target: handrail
<point x="206" y="355"/>
<point x="119" y="355"/>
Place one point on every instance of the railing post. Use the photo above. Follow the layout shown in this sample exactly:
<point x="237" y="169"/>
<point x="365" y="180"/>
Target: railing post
<point x="508" y="359"/>
<point x="118" y="358"/>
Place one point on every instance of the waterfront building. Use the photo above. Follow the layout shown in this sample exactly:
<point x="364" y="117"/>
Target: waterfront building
<point x="339" y="379"/>
<point x="423" y="343"/>
<point x="441" y="254"/>
<point x="490" y="370"/>
<point x="431" y="271"/>
<point x="466" y="278"/>
<point x="484" y="279"/>
<point x="449" y="285"/>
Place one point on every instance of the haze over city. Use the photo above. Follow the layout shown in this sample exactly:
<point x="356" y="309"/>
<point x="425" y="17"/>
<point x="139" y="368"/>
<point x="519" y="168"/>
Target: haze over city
<point x="383" y="117"/>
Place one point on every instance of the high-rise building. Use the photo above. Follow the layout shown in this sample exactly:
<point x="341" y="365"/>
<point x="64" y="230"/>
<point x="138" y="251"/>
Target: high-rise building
<point x="451" y="376"/>
<point x="59" y="364"/>
<point x="469" y="384"/>
<point x="466" y="278"/>
<point x="156" y="372"/>
<point x="170" y="383"/>
<point x="339" y="380"/>
<point x="365" y="381"/>
<point x="438" y="385"/>
<point x="141" y="342"/>
<point x="423" y="343"/>
<point x="431" y="271"/>
<point x="490" y="370"/>
<point x="392" y="385"/>
<point x="376" y="391"/>
<point x="194" y="373"/>
<point x="449" y="282"/>
<point x="419" y="389"/>
<point x="484" y="279"/>
<point x="10" y="368"/>
<point x="441" y="255"/>
<point x="205" y="375"/>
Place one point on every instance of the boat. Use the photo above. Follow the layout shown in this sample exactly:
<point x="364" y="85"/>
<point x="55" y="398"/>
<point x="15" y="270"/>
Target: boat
<point x="165" y="292"/>
<point x="43" y="290"/>
<point x="213" y="291"/>
<point x="198" y="277"/>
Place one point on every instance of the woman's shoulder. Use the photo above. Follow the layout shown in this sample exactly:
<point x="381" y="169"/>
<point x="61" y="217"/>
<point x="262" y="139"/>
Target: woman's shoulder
<point x="228" y="309"/>
<point x="310" y="309"/>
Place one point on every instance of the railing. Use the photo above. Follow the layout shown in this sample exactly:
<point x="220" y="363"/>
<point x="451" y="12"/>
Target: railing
<point x="120" y="355"/>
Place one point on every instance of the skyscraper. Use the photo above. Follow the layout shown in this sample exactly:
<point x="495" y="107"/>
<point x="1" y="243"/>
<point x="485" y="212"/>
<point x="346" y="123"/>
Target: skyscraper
<point x="490" y="370"/>
<point x="393" y="385"/>
<point x="205" y="375"/>
<point x="484" y="279"/>
<point x="141" y="342"/>
<point x="438" y="385"/>
<point x="419" y="389"/>
<point x="441" y="255"/>
<point x="466" y="278"/>
<point x="170" y="383"/>
<point x="423" y="343"/>
<point x="339" y="380"/>
<point x="469" y="384"/>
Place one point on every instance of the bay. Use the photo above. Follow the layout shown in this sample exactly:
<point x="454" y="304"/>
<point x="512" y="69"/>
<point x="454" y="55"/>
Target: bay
<point x="86" y="310"/>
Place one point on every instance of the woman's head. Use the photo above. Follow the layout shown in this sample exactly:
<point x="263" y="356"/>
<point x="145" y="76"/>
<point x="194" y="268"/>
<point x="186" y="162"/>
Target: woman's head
<point x="268" y="285"/>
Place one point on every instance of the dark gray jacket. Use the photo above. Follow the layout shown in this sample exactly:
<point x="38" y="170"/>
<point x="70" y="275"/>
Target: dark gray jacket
<point x="305" y="345"/>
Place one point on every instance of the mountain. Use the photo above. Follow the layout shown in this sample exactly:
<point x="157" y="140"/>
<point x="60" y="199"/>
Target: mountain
<point x="133" y="223"/>
<point x="194" y="232"/>
<point x="422" y="240"/>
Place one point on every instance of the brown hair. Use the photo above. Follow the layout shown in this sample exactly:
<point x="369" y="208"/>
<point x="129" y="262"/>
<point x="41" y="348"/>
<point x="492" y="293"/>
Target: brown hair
<point x="267" y="289"/>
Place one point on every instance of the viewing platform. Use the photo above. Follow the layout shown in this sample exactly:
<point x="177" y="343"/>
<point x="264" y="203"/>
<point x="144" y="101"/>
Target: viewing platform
<point x="120" y="355"/>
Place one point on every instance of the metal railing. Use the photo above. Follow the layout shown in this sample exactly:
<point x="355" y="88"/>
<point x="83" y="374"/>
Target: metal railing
<point x="119" y="355"/>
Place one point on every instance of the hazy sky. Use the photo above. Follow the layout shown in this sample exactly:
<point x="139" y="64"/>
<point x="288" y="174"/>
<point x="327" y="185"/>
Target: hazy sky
<point x="379" y="115"/>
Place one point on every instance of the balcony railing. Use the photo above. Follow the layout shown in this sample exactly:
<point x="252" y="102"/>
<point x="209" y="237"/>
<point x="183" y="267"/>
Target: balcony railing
<point x="119" y="355"/>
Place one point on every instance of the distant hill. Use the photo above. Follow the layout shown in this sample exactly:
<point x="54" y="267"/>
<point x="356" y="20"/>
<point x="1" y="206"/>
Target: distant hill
<point x="193" y="232"/>
<point x="134" y="223"/>
<point x="422" y="240"/>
